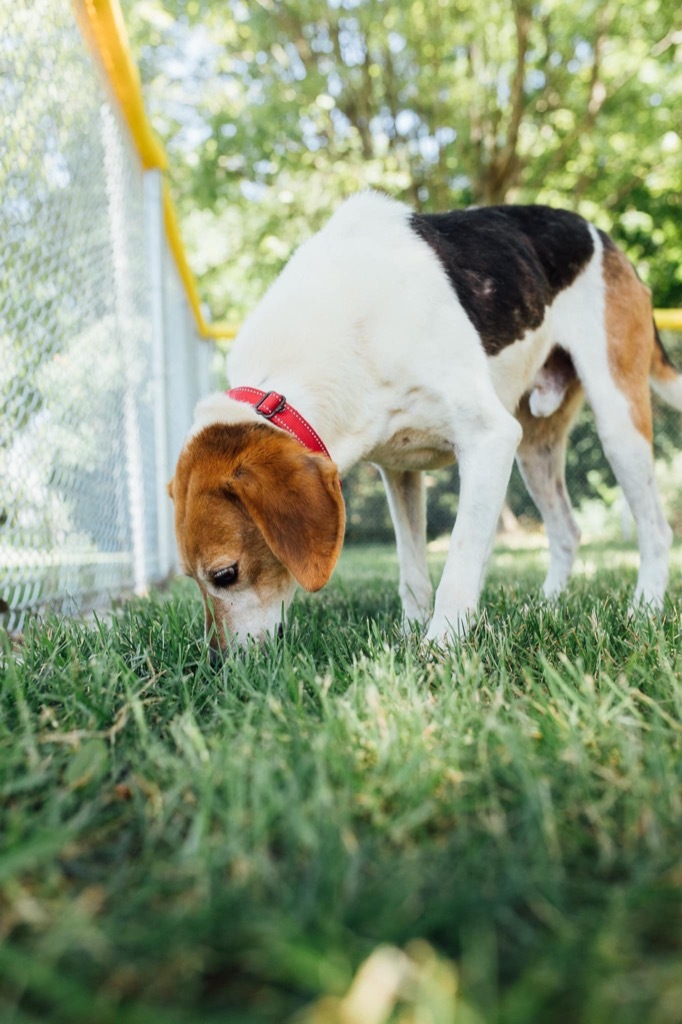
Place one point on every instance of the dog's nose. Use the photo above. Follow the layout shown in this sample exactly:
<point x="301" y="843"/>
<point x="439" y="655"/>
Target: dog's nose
<point x="216" y="653"/>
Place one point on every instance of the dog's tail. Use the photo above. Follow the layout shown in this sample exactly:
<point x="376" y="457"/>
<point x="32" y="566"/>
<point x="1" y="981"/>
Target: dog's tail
<point x="665" y="379"/>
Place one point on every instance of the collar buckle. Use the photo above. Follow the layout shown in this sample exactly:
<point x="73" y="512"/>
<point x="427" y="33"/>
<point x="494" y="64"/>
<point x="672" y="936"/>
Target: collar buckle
<point x="270" y="404"/>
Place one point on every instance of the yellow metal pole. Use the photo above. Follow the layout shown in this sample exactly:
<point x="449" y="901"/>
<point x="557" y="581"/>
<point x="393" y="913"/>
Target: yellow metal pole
<point x="102" y="25"/>
<point x="668" y="319"/>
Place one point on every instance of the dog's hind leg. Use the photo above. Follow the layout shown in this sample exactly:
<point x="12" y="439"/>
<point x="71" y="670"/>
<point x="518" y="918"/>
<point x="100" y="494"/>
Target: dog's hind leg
<point x="628" y="449"/>
<point x="541" y="459"/>
<point x="406" y="493"/>
<point x="630" y="455"/>
<point x="615" y="375"/>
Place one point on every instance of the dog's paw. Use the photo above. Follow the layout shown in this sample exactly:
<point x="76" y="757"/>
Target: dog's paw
<point x="415" y="619"/>
<point x="553" y="589"/>
<point x="417" y="602"/>
<point x="646" y="602"/>
<point x="447" y="631"/>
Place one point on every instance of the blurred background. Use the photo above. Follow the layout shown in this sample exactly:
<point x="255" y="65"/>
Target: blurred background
<point x="272" y="112"/>
<point x="268" y="114"/>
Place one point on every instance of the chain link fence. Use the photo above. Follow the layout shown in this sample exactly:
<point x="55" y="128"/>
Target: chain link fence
<point x="100" y="364"/>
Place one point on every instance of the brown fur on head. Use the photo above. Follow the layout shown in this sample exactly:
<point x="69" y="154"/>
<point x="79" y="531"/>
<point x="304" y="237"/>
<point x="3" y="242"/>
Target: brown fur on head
<point x="249" y="496"/>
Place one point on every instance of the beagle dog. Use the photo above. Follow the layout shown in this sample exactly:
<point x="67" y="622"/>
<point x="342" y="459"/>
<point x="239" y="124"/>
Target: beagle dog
<point x="412" y="340"/>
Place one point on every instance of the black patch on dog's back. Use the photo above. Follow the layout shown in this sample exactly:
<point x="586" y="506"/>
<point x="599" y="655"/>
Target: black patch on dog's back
<point x="507" y="263"/>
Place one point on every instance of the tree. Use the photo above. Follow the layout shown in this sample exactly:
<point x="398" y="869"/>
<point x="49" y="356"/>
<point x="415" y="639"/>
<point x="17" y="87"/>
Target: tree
<point x="273" y="110"/>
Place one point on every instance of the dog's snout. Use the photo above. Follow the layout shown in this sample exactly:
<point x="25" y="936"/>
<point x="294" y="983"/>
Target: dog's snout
<point x="217" y="651"/>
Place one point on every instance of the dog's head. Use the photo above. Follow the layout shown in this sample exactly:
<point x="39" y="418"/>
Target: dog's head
<point x="255" y="514"/>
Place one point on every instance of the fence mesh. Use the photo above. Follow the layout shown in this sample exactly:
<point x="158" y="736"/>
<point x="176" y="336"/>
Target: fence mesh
<point x="81" y="381"/>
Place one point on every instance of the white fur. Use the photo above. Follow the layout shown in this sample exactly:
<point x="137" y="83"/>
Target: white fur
<point x="670" y="391"/>
<point x="363" y="334"/>
<point x="406" y="494"/>
<point x="244" y="615"/>
<point x="219" y="408"/>
<point x="543" y="472"/>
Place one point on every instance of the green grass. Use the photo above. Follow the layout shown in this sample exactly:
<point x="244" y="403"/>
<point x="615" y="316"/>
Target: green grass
<point x="180" y="844"/>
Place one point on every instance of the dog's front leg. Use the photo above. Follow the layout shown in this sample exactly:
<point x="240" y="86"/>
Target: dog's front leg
<point x="486" y="442"/>
<point x="406" y="493"/>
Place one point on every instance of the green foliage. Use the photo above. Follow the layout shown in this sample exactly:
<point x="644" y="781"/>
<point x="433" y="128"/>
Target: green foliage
<point x="185" y="843"/>
<point x="274" y="110"/>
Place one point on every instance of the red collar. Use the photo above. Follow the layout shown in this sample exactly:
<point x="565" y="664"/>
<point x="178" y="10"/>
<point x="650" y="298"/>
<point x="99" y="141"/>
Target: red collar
<point x="273" y="407"/>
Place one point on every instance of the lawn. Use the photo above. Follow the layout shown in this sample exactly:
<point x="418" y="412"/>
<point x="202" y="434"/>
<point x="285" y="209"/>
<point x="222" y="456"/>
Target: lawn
<point x="340" y="829"/>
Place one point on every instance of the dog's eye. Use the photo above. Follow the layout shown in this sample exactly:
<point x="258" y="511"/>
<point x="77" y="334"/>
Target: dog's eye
<point x="225" y="577"/>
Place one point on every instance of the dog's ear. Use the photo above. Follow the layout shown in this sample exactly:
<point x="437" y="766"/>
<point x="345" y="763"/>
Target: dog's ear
<point x="294" y="498"/>
<point x="169" y="488"/>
